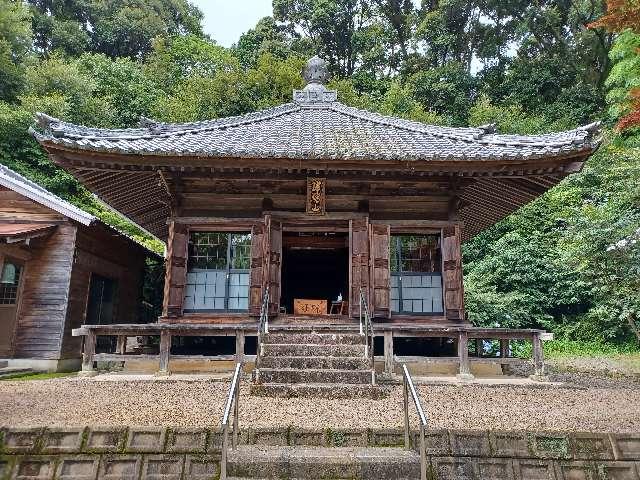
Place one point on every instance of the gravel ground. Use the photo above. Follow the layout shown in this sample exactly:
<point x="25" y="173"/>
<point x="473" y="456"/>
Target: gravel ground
<point x="583" y="406"/>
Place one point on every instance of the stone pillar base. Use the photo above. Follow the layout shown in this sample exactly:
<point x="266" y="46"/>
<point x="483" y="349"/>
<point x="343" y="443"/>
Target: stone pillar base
<point x="539" y="378"/>
<point x="465" y="377"/>
<point x="87" y="373"/>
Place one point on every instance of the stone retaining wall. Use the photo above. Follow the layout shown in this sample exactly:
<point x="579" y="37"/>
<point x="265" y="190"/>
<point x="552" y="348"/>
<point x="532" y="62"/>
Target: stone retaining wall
<point x="176" y="454"/>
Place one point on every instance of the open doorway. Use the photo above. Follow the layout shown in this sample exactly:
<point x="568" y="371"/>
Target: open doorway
<point x="315" y="266"/>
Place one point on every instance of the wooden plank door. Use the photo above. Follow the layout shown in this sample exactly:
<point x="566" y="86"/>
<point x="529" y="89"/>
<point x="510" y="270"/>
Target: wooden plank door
<point x="380" y="277"/>
<point x="256" y="277"/>
<point x="10" y="294"/>
<point x="274" y="265"/>
<point x="176" y="269"/>
<point x="452" y="272"/>
<point x="359" y="262"/>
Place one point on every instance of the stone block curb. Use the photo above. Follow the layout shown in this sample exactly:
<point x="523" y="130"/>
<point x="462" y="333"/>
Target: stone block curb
<point x="63" y="440"/>
<point x="146" y="440"/>
<point x="105" y="440"/>
<point x="162" y="467"/>
<point x="192" y="440"/>
<point x="78" y="467"/>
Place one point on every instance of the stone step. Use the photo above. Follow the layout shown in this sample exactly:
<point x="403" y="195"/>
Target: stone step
<point x="338" y="363"/>
<point x="314" y="338"/>
<point x="311" y="350"/>
<point x="294" y="375"/>
<point x="318" y="390"/>
<point x="370" y="463"/>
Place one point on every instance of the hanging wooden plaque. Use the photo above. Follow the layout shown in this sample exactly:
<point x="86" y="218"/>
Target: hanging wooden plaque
<point x="316" y="188"/>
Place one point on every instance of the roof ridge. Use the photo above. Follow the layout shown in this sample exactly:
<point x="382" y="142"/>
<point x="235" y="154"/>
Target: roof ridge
<point x="481" y="136"/>
<point x="155" y="130"/>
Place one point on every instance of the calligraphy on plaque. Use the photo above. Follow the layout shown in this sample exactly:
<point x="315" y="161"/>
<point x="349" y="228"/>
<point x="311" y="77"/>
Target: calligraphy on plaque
<point x="316" y="188"/>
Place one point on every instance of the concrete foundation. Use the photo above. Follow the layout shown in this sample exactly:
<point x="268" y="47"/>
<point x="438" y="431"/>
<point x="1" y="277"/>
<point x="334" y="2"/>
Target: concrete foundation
<point x="41" y="365"/>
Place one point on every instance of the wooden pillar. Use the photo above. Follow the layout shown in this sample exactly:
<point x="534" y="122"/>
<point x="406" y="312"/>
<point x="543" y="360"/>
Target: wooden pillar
<point x="538" y="357"/>
<point x="452" y="274"/>
<point x="239" y="346"/>
<point x="464" y="371"/>
<point x="478" y="348"/>
<point x="87" y="355"/>
<point x="504" y="347"/>
<point x="165" y="347"/>
<point x="388" y="352"/>
<point x="121" y="346"/>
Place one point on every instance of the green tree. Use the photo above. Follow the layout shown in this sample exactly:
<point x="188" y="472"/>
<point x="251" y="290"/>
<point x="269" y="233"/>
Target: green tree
<point x="112" y="27"/>
<point x="15" y="45"/>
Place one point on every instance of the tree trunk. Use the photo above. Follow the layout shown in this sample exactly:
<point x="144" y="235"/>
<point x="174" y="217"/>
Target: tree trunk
<point x="632" y="324"/>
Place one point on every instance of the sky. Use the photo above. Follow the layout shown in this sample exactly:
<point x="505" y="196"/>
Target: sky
<point x="226" y="20"/>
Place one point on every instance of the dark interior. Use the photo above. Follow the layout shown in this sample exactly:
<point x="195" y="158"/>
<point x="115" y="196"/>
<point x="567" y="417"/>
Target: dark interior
<point x="314" y="267"/>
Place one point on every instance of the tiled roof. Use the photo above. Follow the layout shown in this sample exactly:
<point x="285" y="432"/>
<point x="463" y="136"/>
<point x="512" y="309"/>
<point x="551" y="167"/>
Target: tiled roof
<point x="316" y="129"/>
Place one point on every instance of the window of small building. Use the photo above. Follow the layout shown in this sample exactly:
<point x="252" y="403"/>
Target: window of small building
<point x="9" y="283"/>
<point x="416" y="274"/>
<point x="218" y="272"/>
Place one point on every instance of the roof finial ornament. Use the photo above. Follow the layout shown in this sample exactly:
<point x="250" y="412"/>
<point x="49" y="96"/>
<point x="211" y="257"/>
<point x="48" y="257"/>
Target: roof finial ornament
<point x="316" y="70"/>
<point x="315" y="74"/>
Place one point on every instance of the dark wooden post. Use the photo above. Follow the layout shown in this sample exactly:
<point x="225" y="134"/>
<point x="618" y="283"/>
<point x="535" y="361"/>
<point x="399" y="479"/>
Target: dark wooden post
<point x="478" y="344"/>
<point x="240" y="346"/>
<point x="504" y="347"/>
<point x="538" y="357"/>
<point x="464" y="371"/>
<point x="165" y="347"/>
<point x="87" y="355"/>
<point x="388" y="352"/>
<point x="121" y="346"/>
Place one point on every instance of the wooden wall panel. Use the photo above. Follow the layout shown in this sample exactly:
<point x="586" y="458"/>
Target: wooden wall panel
<point x="256" y="280"/>
<point x="380" y="277"/>
<point x="43" y="309"/>
<point x="452" y="274"/>
<point x="275" y="263"/>
<point x="101" y="251"/>
<point x="14" y="206"/>
<point x="175" y="270"/>
<point x="359" y="262"/>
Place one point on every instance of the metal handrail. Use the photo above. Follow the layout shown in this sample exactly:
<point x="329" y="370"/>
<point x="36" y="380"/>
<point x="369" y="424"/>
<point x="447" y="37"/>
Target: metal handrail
<point x="366" y="329"/>
<point x="408" y="387"/>
<point x="232" y="401"/>
<point x="263" y="327"/>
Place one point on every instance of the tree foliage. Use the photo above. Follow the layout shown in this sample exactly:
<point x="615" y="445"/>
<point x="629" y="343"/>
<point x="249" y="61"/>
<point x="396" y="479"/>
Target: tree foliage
<point x="624" y="16"/>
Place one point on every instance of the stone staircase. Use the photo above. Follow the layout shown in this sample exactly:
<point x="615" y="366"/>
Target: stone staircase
<point x="302" y="462"/>
<point x="326" y="365"/>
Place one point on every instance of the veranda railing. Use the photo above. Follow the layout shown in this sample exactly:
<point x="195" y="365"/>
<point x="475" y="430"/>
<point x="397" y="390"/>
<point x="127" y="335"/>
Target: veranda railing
<point x="410" y="389"/>
<point x="366" y="329"/>
<point x="232" y="402"/>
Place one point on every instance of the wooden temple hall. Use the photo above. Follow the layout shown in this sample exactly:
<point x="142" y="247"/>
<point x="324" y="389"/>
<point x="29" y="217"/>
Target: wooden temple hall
<point x="314" y="217"/>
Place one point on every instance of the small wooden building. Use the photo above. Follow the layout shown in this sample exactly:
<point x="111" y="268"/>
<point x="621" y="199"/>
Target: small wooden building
<point x="60" y="267"/>
<point x="316" y="201"/>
